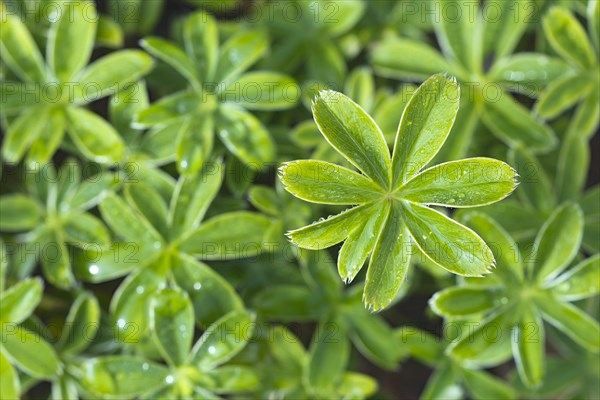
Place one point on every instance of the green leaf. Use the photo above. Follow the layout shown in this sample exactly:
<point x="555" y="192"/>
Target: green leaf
<point x="128" y="223"/>
<point x="239" y="53"/>
<point x="593" y="17"/>
<point x="121" y="376"/>
<point x="18" y="302"/>
<point x="476" y="341"/>
<point x="262" y="90"/>
<point x="326" y="63"/>
<point x="148" y="202"/>
<point x="30" y="352"/>
<point x="360" y="86"/>
<point x="513" y="124"/>
<point x="95" y="138"/>
<point x="192" y="197"/>
<point x="201" y="39"/>
<point x="591" y="230"/>
<point x="346" y="16"/>
<point x="535" y="189"/>
<point x="329" y="354"/>
<point x="18" y="97"/>
<point x="319" y="273"/>
<point x="464" y="183"/>
<point x="71" y="38"/>
<point x="446" y="242"/>
<point x="505" y="249"/>
<point x="55" y="260"/>
<point x="49" y="139"/>
<point x="573" y="166"/>
<point x="504" y="29"/>
<point x="568" y="37"/>
<point x="64" y="388"/>
<point x="22" y="132"/>
<point x="19" y="212"/>
<point x="194" y="143"/>
<point x="327" y="183"/>
<point x="371" y="335"/>
<point x="109" y="33"/>
<point x="223" y="340"/>
<point x="587" y="116"/>
<point x="459" y="33"/>
<point x="264" y="199"/>
<point x="81" y="325"/>
<point x="172" y="320"/>
<point x="89" y="192"/>
<point x="169" y="108"/>
<point x="19" y="50"/>
<point x="420" y="344"/>
<point x="83" y="229"/>
<point x="572" y="321"/>
<point x="423" y="62"/>
<point x="465" y="301"/>
<point x="389" y="262"/>
<point x="442" y="384"/>
<point x="130" y="305"/>
<point x="425" y="125"/>
<point x="174" y="56"/>
<point x="3" y="266"/>
<point x="482" y="385"/>
<point x="327" y="232"/>
<point x="112" y="73"/>
<point x="158" y="143"/>
<point x="354" y="134"/>
<point x="100" y="265"/>
<point x="563" y="94"/>
<point x="558" y="242"/>
<point x="233" y="379"/>
<point x="527" y="69"/>
<point x="580" y="282"/>
<point x="244" y="135"/>
<point x="233" y="235"/>
<point x="125" y="104"/>
<point x="360" y="243"/>
<point x="10" y="386"/>
<point x="528" y="348"/>
<point x="287" y="303"/>
<point x="205" y="286"/>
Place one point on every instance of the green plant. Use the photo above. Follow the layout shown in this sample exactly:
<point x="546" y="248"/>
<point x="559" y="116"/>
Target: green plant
<point x="485" y="87"/>
<point x="578" y="87"/>
<point x="62" y="87"/>
<point x="390" y="217"/>
<point x="218" y="94"/>
<point x="526" y="290"/>
<point x="155" y="231"/>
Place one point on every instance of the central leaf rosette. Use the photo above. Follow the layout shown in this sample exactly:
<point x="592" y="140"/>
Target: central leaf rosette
<point x="391" y="195"/>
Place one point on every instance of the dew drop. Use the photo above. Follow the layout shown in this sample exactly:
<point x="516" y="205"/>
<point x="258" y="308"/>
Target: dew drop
<point x="139" y="289"/>
<point x="197" y="286"/>
<point x="169" y="379"/>
<point x="212" y="349"/>
<point x="121" y="323"/>
<point x="93" y="269"/>
<point x="145" y="366"/>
